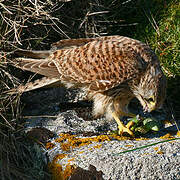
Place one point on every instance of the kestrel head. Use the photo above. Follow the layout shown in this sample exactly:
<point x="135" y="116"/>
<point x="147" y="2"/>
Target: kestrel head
<point x="151" y="90"/>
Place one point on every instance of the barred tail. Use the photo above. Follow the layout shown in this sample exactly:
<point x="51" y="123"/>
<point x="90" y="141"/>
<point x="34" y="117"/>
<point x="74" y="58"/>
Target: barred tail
<point x="44" y="82"/>
<point x="39" y="66"/>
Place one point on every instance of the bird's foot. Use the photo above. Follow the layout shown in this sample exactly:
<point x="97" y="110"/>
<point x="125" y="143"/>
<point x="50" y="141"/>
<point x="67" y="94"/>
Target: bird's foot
<point x="122" y="128"/>
<point x="125" y="129"/>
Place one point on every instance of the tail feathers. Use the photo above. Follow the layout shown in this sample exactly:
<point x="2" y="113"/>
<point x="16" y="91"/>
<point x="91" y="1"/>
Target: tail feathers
<point x="39" y="83"/>
<point x="39" y="66"/>
<point x="33" y="54"/>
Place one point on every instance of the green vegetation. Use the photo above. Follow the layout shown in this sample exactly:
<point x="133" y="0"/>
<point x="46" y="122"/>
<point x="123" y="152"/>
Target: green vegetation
<point x="166" y="39"/>
<point x="35" y="25"/>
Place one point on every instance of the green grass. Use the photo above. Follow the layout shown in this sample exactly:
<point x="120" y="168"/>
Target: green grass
<point x="166" y="40"/>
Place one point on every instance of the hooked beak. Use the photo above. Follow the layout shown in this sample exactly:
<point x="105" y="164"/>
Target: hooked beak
<point x="149" y="106"/>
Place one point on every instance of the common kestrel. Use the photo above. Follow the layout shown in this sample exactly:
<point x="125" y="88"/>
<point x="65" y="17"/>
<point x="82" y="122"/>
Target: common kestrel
<point x="111" y="69"/>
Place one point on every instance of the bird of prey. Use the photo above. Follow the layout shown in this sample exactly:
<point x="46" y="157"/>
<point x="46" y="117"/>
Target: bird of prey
<point x="111" y="69"/>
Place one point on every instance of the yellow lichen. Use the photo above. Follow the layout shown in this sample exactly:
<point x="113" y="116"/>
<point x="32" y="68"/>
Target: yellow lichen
<point x="56" y="169"/>
<point x="160" y="152"/>
<point x="90" y="148"/>
<point x="65" y="146"/>
<point x="98" y="146"/>
<point x="58" y="173"/>
<point x="167" y="136"/>
<point x="50" y="145"/>
<point x="102" y="138"/>
<point x="119" y="138"/>
<point x="72" y="159"/>
<point x="156" y="148"/>
<point x="68" y="171"/>
<point x="141" y="139"/>
<point x="69" y="142"/>
<point x="59" y="156"/>
<point x="81" y="152"/>
<point x="129" y="145"/>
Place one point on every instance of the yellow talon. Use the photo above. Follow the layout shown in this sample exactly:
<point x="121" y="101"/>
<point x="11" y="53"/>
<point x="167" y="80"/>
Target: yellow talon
<point x="130" y="124"/>
<point x="122" y="128"/>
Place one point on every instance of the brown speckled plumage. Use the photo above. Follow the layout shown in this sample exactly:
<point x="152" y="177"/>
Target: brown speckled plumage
<point x="112" y="70"/>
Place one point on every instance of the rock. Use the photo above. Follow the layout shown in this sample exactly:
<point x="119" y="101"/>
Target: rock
<point x="81" y="142"/>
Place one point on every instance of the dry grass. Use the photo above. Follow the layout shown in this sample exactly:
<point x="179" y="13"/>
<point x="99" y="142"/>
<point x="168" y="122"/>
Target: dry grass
<point x="19" y="159"/>
<point x="18" y="18"/>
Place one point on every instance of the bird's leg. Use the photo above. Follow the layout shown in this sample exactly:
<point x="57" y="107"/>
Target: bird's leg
<point x="122" y="128"/>
<point x="130" y="123"/>
<point x="119" y="108"/>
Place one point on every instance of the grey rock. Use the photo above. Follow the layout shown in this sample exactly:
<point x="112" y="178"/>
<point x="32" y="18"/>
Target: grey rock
<point x="161" y="161"/>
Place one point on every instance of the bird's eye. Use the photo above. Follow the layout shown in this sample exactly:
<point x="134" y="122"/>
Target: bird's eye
<point x="150" y="99"/>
